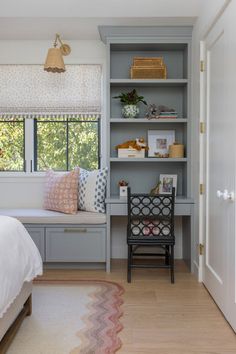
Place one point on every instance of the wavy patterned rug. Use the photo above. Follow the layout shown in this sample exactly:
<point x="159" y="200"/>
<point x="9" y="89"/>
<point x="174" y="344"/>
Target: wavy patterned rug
<point x="74" y="317"/>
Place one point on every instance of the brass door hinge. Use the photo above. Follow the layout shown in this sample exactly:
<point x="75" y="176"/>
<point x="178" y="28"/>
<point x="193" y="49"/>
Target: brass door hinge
<point x="202" y="66"/>
<point x="201" y="249"/>
<point x="202" y="127"/>
<point x="201" y="188"/>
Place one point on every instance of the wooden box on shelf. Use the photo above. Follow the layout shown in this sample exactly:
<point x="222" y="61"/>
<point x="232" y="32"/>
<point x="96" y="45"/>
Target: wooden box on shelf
<point x="148" y="61"/>
<point x="148" y="68"/>
<point x="131" y="153"/>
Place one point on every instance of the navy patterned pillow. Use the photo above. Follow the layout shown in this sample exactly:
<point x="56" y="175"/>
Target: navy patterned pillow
<point x="92" y="190"/>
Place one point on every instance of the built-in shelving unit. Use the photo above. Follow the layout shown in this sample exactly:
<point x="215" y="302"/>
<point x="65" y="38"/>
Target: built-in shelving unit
<point x="174" y="92"/>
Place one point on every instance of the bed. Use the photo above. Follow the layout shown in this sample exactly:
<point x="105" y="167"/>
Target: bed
<point x="20" y="263"/>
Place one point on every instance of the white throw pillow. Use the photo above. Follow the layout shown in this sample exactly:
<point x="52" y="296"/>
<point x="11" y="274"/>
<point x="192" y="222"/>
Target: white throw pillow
<point x="92" y="190"/>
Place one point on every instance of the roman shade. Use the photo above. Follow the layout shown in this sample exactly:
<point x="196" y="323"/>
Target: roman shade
<point x="28" y="89"/>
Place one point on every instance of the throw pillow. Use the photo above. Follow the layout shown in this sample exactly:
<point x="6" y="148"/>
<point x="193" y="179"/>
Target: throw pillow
<point x="61" y="191"/>
<point x="92" y="190"/>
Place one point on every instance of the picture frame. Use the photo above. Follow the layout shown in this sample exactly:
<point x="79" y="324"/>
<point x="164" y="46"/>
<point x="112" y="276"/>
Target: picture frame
<point x="167" y="183"/>
<point x="159" y="142"/>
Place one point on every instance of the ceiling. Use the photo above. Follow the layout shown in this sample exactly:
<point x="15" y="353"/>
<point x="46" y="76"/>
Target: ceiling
<point x="79" y="19"/>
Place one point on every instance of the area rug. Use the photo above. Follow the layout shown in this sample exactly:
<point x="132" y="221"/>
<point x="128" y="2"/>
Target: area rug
<point x="74" y="317"/>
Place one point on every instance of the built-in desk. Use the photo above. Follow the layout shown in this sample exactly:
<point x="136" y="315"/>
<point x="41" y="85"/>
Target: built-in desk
<point x="117" y="206"/>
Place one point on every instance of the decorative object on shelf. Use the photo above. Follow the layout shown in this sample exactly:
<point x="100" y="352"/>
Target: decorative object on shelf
<point x="176" y="150"/>
<point x="152" y="112"/>
<point x="148" y="68"/>
<point x="132" y="148"/>
<point x="123" y="185"/>
<point x="156" y="190"/>
<point x="163" y="112"/>
<point x="54" y="62"/>
<point x="130" y="101"/>
<point x="167" y="182"/>
<point x="159" y="142"/>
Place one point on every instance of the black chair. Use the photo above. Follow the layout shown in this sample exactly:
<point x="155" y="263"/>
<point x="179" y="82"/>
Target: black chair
<point x="151" y="223"/>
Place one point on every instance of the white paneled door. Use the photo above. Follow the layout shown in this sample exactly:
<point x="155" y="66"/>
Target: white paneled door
<point x="219" y="274"/>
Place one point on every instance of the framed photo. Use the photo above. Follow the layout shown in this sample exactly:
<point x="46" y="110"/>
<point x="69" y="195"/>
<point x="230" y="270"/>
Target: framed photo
<point x="159" y="142"/>
<point x="167" y="183"/>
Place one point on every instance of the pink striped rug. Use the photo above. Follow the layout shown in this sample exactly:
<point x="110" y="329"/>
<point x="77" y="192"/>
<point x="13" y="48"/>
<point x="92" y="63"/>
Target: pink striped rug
<point x="99" y="334"/>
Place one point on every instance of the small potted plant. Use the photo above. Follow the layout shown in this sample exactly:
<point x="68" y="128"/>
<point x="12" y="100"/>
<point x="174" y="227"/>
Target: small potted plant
<point x="123" y="188"/>
<point x="130" y="102"/>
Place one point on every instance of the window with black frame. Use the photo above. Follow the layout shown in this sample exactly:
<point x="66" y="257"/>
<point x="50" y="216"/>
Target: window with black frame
<point x="64" y="142"/>
<point x="12" y="144"/>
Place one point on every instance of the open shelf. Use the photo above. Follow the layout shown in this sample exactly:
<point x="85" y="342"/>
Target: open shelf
<point x="145" y="120"/>
<point x="148" y="159"/>
<point x="147" y="82"/>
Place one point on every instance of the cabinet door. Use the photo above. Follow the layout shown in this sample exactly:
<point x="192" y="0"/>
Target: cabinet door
<point x="75" y="244"/>
<point x="37" y="235"/>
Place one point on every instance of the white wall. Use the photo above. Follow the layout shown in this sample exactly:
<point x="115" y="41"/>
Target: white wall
<point x="27" y="192"/>
<point x="210" y="10"/>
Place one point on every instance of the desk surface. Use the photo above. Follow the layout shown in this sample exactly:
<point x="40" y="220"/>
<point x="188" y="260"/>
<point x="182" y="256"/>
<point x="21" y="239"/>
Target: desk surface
<point x="115" y="199"/>
<point x="117" y="206"/>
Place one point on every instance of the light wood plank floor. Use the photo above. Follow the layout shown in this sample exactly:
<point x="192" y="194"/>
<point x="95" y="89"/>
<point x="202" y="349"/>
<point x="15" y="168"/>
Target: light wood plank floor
<point x="161" y="318"/>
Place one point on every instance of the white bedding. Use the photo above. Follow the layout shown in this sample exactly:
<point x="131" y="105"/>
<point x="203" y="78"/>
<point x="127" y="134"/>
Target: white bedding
<point x="20" y="260"/>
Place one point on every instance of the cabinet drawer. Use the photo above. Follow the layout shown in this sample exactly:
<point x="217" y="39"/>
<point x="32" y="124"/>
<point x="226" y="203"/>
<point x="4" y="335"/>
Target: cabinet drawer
<point x="37" y="235"/>
<point x="183" y="209"/>
<point x="75" y="244"/>
<point x="119" y="209"/>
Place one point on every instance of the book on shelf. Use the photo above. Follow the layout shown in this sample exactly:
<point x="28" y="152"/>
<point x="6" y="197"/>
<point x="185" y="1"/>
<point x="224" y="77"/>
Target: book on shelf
<point x="168" y="115"/>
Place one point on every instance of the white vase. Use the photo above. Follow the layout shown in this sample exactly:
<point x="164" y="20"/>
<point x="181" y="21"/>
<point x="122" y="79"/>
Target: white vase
<point x="130" y="111"/>
<point x="123" y="191"/>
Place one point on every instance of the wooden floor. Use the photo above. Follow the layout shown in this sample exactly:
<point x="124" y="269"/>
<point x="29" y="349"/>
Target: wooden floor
<point x="162" y="318"/>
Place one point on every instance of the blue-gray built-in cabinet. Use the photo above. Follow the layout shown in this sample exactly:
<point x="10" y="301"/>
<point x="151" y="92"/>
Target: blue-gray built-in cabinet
<point x="174" y="45"/>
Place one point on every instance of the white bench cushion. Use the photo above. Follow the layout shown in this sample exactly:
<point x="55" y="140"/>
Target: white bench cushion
<point x="41" y="216"/>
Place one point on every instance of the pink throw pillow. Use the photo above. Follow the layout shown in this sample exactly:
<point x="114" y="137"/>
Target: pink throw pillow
<point x="61" y="191"/>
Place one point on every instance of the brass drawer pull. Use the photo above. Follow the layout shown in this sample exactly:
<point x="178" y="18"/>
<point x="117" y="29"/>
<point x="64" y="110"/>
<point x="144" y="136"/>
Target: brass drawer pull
<point x="75" y="230"/>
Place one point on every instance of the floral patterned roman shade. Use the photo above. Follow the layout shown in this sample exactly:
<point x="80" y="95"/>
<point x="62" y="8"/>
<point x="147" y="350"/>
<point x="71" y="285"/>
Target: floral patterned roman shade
<point x="29" y="89"/>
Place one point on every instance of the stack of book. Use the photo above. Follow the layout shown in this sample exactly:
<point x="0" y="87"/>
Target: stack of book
<point x="167" y="115"/>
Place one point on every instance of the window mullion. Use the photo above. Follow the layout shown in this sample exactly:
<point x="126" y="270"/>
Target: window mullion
<point x="29" y="144"/>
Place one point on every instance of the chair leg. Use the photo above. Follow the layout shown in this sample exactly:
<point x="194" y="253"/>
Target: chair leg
<point x="172" y="265"/>
<point x="129" y="263"/>
<point x="167" y="255"/>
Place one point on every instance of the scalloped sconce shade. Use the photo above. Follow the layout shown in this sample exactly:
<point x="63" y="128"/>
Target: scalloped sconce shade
<point x="54" y="62"/>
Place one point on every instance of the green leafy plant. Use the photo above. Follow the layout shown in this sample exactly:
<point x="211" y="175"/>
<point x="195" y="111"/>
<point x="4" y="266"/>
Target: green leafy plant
<point x="131" y="97"/>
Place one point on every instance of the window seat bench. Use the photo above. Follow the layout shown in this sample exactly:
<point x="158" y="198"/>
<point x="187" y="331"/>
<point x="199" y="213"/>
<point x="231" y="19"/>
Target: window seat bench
<point x="65" y="238"/>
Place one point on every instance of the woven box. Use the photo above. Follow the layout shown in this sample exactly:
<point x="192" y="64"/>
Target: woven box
<point x="151" y="61"/>
<point x="176" y="150"/>
<point x="147" y="72"/>
<point x="131" y="153"/>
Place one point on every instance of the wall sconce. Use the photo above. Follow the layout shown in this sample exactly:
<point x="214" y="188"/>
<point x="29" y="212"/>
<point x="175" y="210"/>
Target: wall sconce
<point x="54" y="62"/>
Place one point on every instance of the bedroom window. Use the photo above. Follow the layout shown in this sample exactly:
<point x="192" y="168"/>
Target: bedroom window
<point x="52" y="124"/>
<point x="63" y="143"/>
<point x="12" y="144"/>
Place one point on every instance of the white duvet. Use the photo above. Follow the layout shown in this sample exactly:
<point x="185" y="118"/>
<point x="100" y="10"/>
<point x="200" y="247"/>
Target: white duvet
<point x="20" y="260"/>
